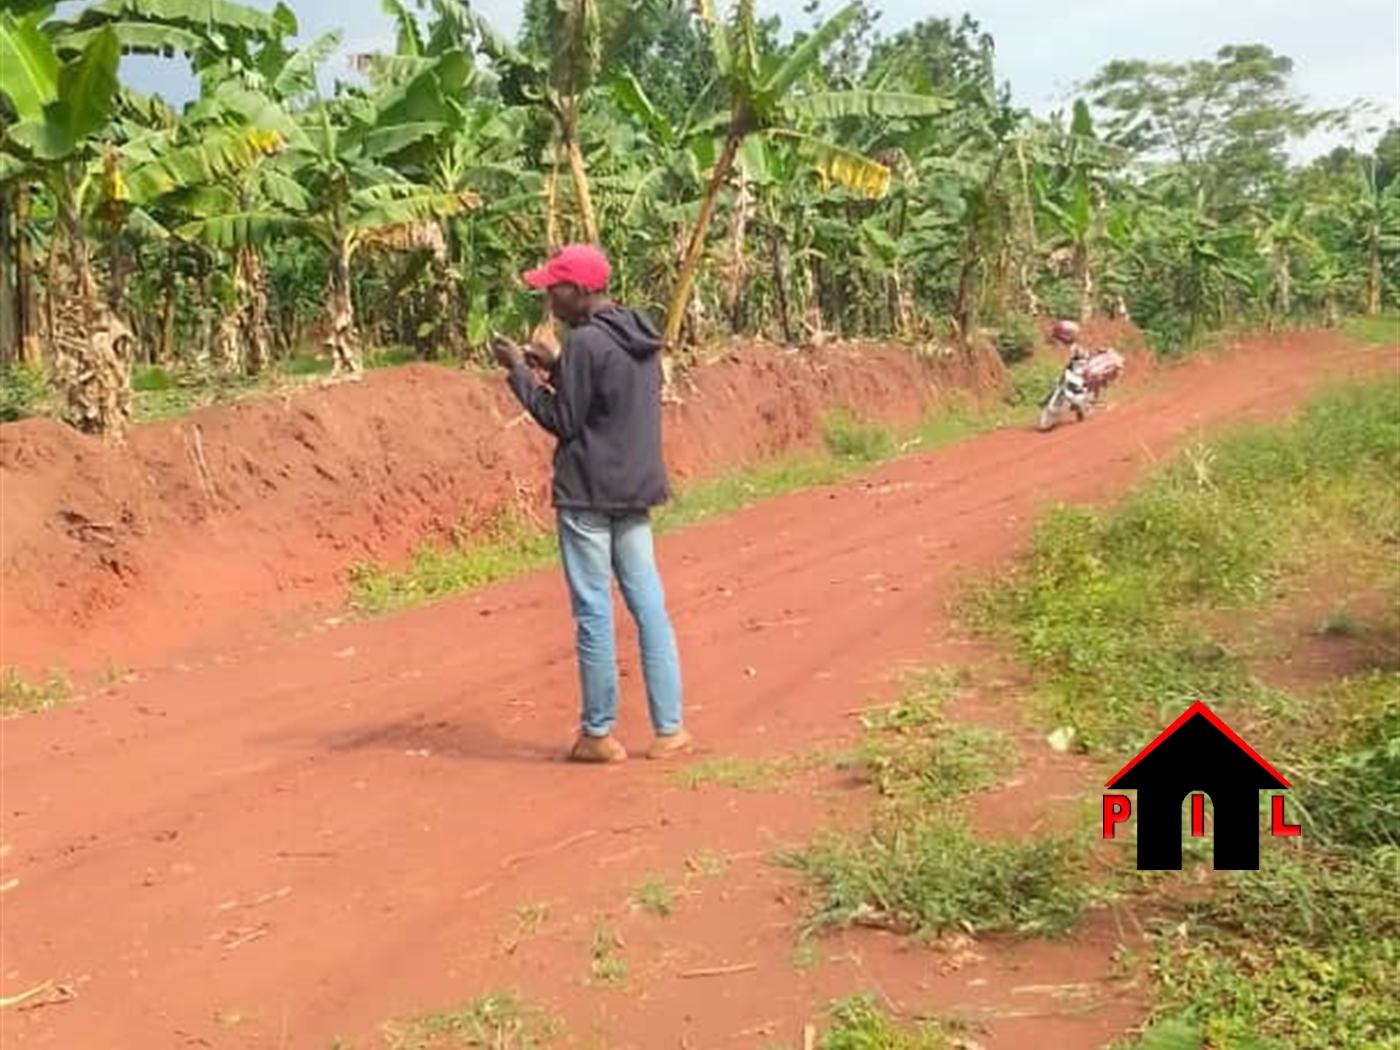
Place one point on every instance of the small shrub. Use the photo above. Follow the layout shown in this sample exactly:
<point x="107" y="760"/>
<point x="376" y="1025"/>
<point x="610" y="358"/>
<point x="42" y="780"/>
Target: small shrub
<point x="1017" y="338"/>
<point x="494" y="1022"/>
<point x="849" y="438"/>
<point x="860" y="1023"/>
<point x="19" y="696"/>
<point x="24" y="390"/>
<point x="924" y="871"/>
<point x="151" y="379"/>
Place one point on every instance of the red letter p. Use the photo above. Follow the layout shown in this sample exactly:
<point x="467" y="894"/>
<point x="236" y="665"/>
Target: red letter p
<point x="1116" y="809"/>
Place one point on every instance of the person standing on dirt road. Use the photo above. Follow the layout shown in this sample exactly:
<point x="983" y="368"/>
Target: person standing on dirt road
<point x="602" y="403"/>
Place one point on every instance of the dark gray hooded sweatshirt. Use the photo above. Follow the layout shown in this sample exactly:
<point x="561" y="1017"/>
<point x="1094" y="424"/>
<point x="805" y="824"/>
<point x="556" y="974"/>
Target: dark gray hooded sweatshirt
<point x="604" y="409"/>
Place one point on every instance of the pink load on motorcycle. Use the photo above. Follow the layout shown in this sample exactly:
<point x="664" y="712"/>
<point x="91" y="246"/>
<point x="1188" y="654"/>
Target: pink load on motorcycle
<point x="1098" y="368"/>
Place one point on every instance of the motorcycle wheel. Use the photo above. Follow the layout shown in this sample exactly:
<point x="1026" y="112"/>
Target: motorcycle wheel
<point x="1048" y="412"/>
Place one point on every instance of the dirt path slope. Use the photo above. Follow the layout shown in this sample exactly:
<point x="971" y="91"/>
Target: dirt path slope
<point x="297" y="841"/>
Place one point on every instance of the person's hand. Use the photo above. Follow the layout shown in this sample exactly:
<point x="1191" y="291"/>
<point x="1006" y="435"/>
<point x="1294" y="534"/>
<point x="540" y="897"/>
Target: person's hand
<point x="507" y="354"/>
<point x="542" y="357"/>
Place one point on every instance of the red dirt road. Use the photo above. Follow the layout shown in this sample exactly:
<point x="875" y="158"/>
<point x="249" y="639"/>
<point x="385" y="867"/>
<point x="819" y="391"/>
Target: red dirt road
<point x="275" y="847"/>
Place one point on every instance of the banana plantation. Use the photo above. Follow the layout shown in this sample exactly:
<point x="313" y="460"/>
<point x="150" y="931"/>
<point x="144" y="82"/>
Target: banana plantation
<point x="752" y="179"/>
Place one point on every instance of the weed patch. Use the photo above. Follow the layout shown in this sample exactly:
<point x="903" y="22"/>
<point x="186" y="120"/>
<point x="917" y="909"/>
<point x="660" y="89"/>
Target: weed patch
<point x="910" y="752"/>
<point x="19" y="696"/>
<point x="495" y="1022"/>
<point x="929" y="874"/>
<point x="506" y="547"/>
<point x="848" y="438"/>
<point x="920" y="868"/>
<point x="605" y="965"/>
<point x="861" y="1023"/>
<point x="655" y="895"/>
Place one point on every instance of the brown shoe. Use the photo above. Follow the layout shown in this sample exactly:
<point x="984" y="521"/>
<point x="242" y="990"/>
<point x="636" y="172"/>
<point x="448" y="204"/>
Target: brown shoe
<point x="670" y="744"/>
<point x="597" y="749"/>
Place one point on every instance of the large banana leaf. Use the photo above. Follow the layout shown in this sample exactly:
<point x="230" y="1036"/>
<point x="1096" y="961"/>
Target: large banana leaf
<point x="282" y="189"/>
<point x="298" y="75"/>
<point x="854" y="171"/>
<point x="209" y="15"/>
<point x="424" y="96"/>
<point x="381" y="143"/>
<point x="254" y="228"/>
<point x="138" y="38"/>
<point x="807" y="55"/>
<point x="632" y="99"/>
<point x="836" y="105"/>
<point x="216" y="158"/>
<point x="410" y="41"/>
<point x="87" y="87"/>
<point x="253" y="108"/>
<point x="393" y="200"/>
<point x="86" y="96"/>
<point x="28" y="67"/>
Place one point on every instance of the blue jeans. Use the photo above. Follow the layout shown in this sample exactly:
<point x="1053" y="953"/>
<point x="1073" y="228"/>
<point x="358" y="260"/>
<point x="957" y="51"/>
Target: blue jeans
<point x="594" y="546"/>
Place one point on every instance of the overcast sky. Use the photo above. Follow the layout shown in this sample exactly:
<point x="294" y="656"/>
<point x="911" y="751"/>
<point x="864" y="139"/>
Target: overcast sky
<point x="1343" y="50"/>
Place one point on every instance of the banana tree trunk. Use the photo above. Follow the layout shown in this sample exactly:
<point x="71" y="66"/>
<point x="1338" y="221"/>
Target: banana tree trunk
<point x="250" y="285"/>
<point x="24" y="281"/>
<point x="9" y="298"/>
<point x="743" y="203"/>
<point x="965" y="306"/>
<point x="1285" y="288"/>
<point x="341" y="335"/>
<point x="780" y="288"/>
<point x="695" y="250"/>
<point x="581" y="191"/>
<point x="551" y="207"/>
<point x="1084" y="277"/>
<point x="1373" y="279"/>
<point x="91" y="347"/>
<point x="165" y="347"/>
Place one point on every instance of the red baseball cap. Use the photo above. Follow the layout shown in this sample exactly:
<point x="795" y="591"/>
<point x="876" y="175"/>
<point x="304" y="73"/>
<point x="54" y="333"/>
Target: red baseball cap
<point x="579" y="264"/>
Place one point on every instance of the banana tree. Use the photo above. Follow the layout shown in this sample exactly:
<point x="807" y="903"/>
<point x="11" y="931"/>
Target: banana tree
<point x="63" y="106"/>
<point x="337" y="192"/>
<point x="762" y="100"/>
<point x="553" y="84"/>
<point x="1070" y="190"/>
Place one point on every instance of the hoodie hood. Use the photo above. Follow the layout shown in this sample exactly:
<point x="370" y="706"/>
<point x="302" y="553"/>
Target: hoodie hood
<point x="631" y="330"/>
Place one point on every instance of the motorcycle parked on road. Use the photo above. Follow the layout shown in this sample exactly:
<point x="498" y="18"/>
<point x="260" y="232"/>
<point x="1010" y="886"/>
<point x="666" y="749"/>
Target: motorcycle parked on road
<point x="1079" y="386"/>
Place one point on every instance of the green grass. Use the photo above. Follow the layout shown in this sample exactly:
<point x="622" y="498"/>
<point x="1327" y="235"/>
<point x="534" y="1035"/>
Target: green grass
<point x="439" y="570"/>
<point x="605" y="965"/>
<point x="862" y="1023"/>
<point x="507" y="546"/>
<point x="920" y="867"/>
<point x="1382" y="330"/>
<point x="911" y="752"/>
<point x="494" y="1022"/>
<point x="656" y="896"/>
<point x="19" y="696"/>
<point x="1113" y="612"/>
<point x="24" y="392"/>
<point x="736" y="773"/>
<point x="929" y="873"/>
<point x="1109" y="607"/>
<point x="853" y="440"/>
